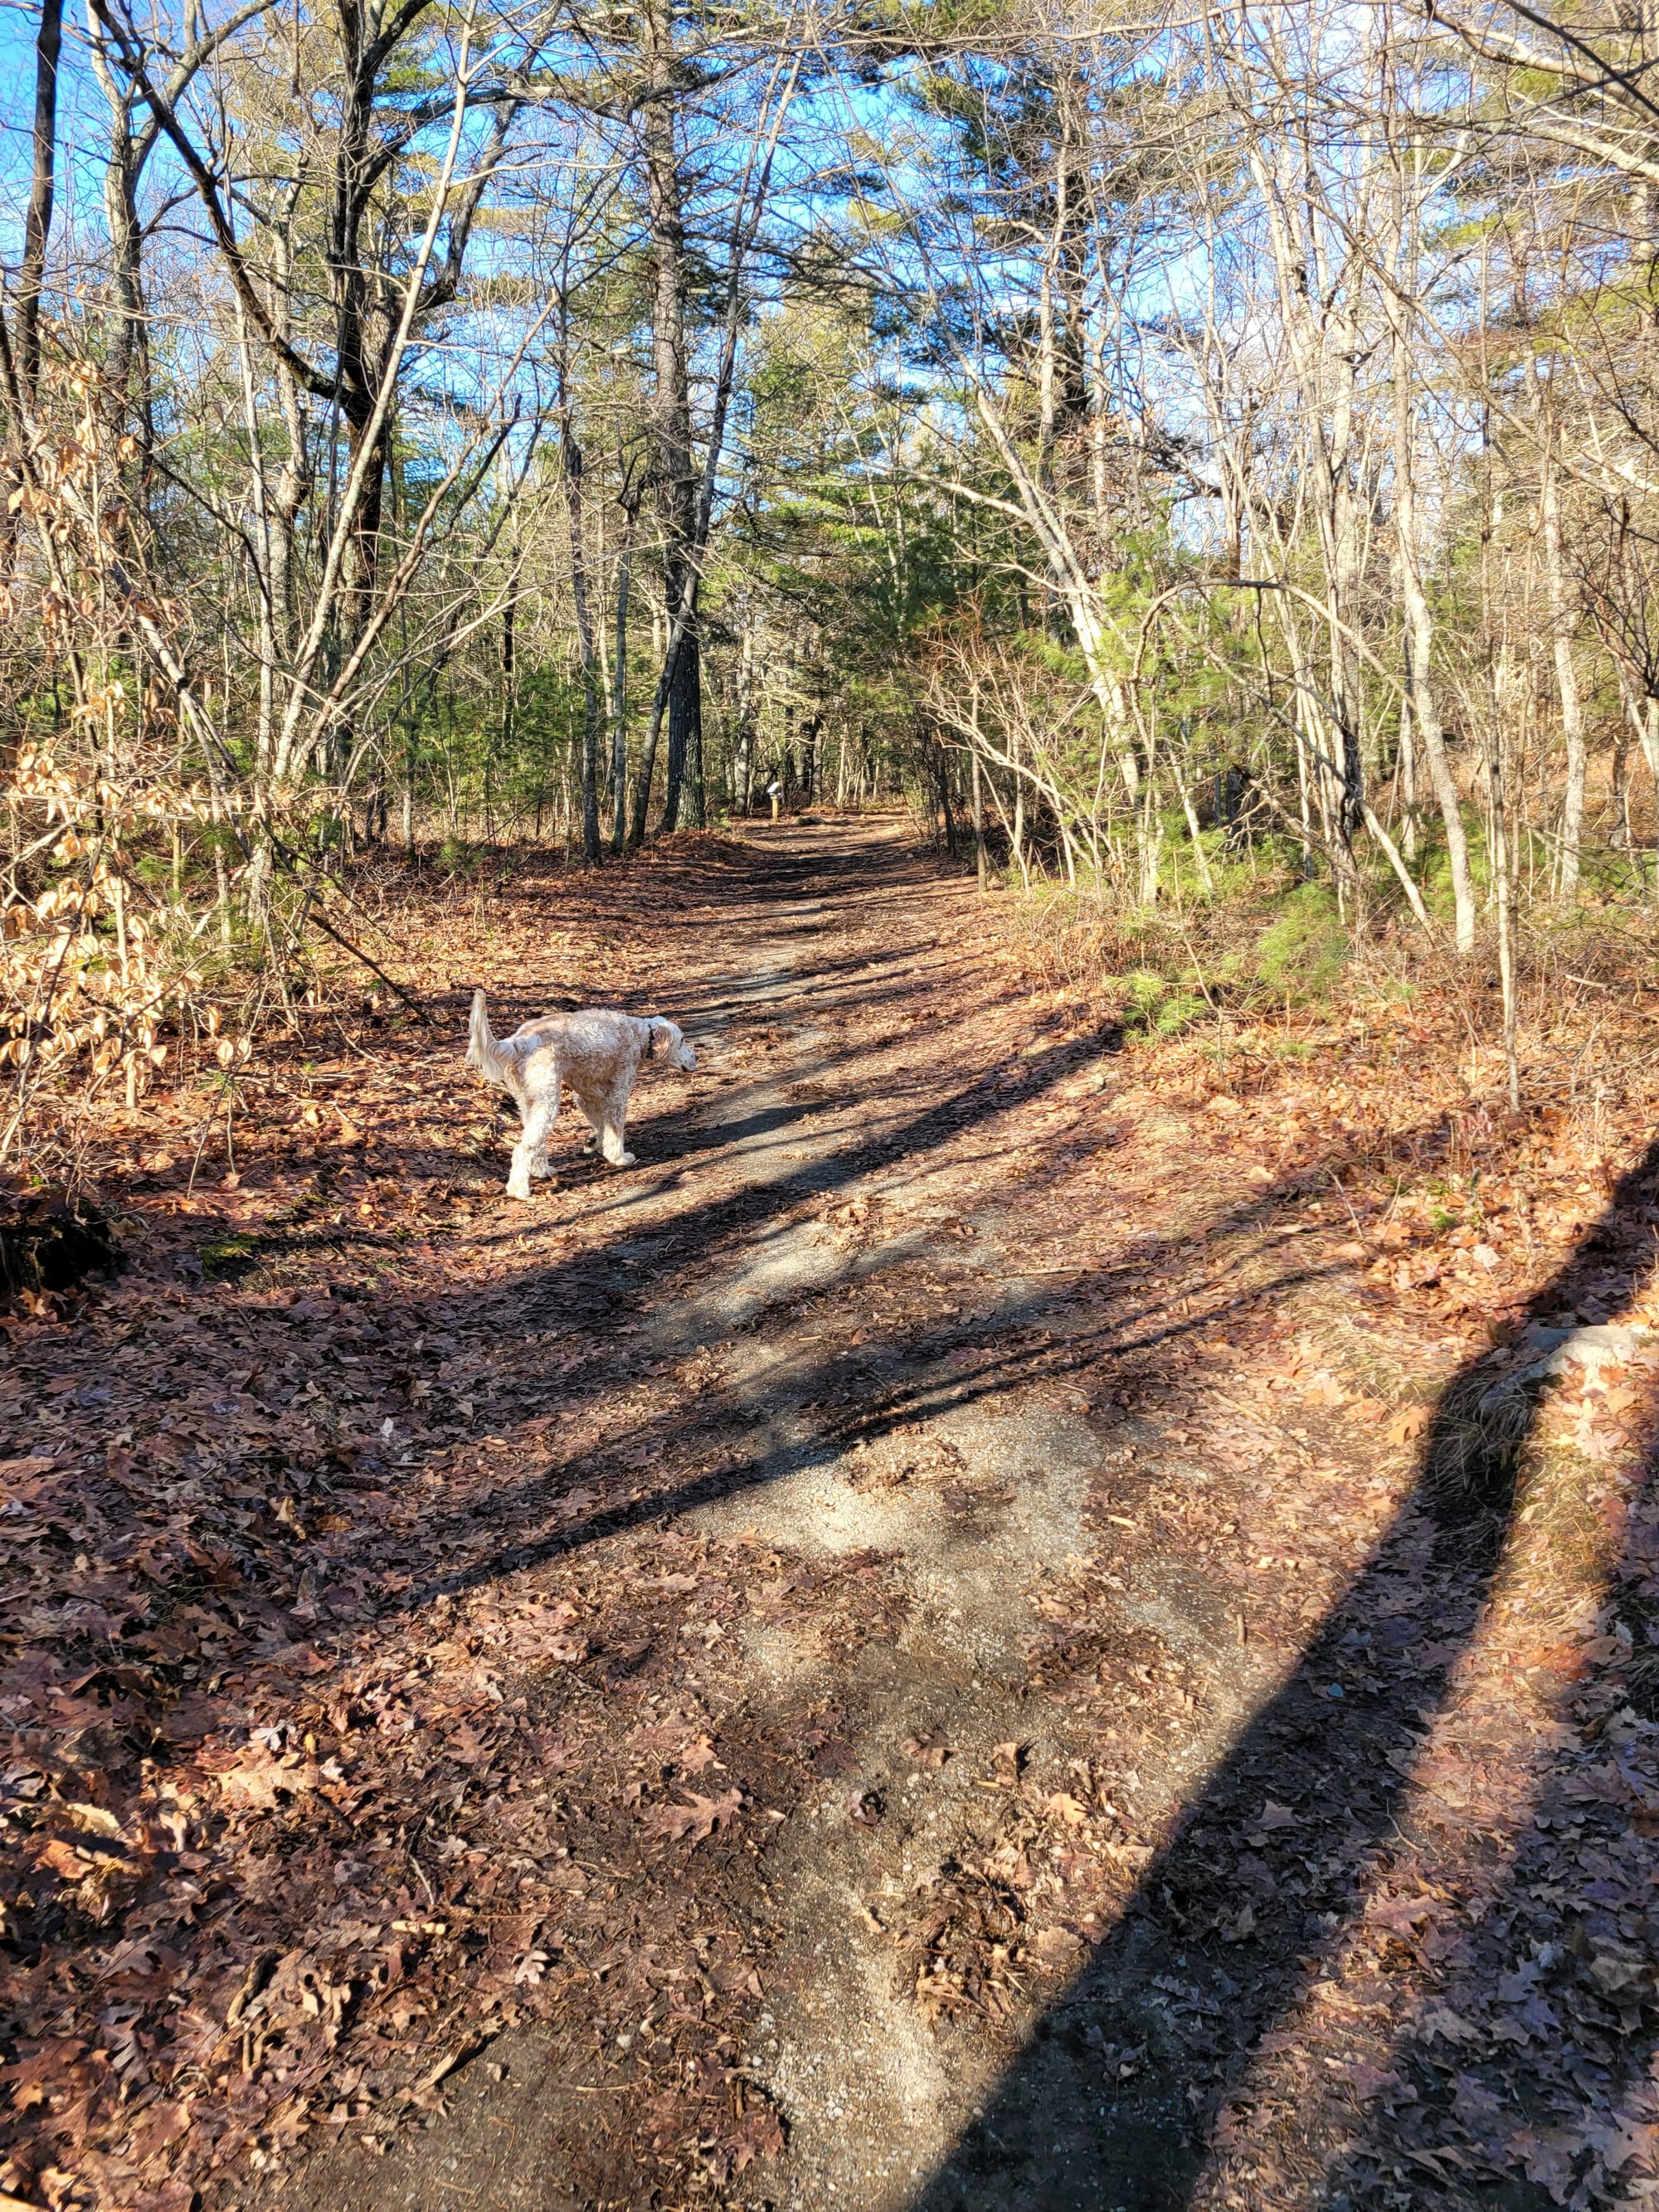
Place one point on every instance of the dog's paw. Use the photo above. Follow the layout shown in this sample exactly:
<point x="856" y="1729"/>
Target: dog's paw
<point x="519" y="1187"/>
<point x="624" y="1160"/>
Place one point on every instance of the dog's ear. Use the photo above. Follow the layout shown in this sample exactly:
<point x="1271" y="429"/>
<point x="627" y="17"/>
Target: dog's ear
<point x="653" y="1029"/>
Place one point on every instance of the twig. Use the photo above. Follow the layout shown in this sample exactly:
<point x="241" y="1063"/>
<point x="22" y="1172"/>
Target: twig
<point x="357" y="953"/>
<point x="431" y="1893"/>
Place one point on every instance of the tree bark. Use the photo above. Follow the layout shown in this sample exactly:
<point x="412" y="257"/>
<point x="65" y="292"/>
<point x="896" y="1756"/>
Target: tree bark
<point x="979" y="825"/>
<point x="619" y="708"/>
<point x="1419" y="640"/>
<point x="37" y="224"/>
<point x="130" y="376"/>
<point x="1566" y="676"/>
<point x="676" y="473"/>
<point x="592" y="695"/>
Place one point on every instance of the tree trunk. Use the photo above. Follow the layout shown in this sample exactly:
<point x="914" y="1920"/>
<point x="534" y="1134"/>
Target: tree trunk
<point x="130" y="376"/>
<point x="593" y="696"/>
<point x="619" y="707"/>
<point x="1566" y="676"/>
<point x="675" y="474"/>
<point x="809" y="760"/>
<point x="647" y="772"/>
<point x="1419" y="640"/>
<point x="942" y="773"/>
<point x="37" y="224"/>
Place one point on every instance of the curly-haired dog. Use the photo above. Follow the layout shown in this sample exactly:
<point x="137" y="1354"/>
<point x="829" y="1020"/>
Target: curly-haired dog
<point x="598" y="1052"/>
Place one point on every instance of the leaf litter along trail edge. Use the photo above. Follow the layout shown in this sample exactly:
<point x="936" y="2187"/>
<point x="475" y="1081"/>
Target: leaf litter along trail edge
<point x="425" y="1791"/>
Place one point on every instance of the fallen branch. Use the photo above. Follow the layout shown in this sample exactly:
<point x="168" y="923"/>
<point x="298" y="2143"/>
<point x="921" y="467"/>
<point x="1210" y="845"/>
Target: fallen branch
<point x="373" y="966"/>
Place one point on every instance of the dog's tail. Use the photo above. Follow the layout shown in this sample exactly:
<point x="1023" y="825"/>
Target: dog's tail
<point x="482" y="1050"/>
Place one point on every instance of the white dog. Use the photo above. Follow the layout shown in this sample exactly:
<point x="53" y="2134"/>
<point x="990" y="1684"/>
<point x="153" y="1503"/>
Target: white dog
<point x="598" y="1053"/>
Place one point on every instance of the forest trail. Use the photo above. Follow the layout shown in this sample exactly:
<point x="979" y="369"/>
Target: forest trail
<point x="843" y="1247"/>
<point x="891" y="1376"/>
<point x="893" y="1655"/>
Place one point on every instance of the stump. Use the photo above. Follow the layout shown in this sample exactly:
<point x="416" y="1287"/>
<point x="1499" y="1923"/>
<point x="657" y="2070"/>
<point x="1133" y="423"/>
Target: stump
<point x="49" y="1241"/>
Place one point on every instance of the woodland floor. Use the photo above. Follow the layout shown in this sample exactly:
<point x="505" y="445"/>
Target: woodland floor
<point x="924" y="1647"/>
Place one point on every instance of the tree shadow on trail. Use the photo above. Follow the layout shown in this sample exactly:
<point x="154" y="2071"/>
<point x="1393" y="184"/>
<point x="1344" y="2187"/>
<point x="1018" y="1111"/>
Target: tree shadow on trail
<point x="531" y="1339"/>
<point x="950" y="1366"/>
<point x="1061" y="2131"/>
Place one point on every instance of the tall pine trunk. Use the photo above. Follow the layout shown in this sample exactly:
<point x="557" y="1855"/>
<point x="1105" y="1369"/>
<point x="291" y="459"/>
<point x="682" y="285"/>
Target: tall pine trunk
<point x="675" y="472"/>
<point x="1419" y="640"/>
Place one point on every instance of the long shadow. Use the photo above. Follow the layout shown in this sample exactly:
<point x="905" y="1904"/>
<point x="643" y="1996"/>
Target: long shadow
<point x="1569" y="2091"/>
<point x="595" y="1287"/>
<point x="571" y="1504"/>
<point x="903" y="1387"/>
<point x="492" y="1536"/>
<point x="1058" y="2132"/>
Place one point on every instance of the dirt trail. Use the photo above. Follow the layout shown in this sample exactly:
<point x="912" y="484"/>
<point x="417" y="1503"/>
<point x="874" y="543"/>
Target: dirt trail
<point x="897" y="1364"/>
<point x="904" y="1652"/>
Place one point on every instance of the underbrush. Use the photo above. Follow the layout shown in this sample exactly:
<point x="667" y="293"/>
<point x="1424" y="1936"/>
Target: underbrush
<point x="225" y="1012"/>
<point x="1270" y="984"/>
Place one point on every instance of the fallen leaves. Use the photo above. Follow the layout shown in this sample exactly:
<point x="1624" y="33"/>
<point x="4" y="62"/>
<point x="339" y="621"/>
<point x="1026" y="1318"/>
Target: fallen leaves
<point x="1271" y="1819"/>
<point x="695" y="1820"/>
<point x="758" y="2133"/>
<point x="1008" y="1761"/>
<point x="261" y="1781"/>
<point x="16" y="1474"/>
<point x="1067" y="1810"/>
<point x="1407" y="1424"/>
<point x="307" y="1659"/>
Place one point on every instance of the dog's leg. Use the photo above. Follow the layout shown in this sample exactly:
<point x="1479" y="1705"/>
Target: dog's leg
<point x="595" y="1122"/>
<point x="529" y="1154"/>
<point x="538" y="1166"/>
<point x="615" y="1113"/>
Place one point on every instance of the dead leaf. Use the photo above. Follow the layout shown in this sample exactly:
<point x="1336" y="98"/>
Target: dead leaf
<point x="922" y="1751"/>
<point x="1402" y="1916"/>
<point x="25" y="1470"/>
<point x="1548" y="2156"/>
<point x="696" y="1822"/>
<point x="259" y="1783"/>
<point x="1368" y="2081"/>
<point x="758" y="2134"/>
<point x="1053" y="1948"/>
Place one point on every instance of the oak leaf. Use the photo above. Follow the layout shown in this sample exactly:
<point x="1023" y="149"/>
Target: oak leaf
<point x="696" y="1822"/>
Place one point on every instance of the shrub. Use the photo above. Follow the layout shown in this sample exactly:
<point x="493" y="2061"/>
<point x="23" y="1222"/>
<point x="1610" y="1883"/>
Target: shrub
<point x="1159" y="1008"/>
<point x="1307" y="947"/>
